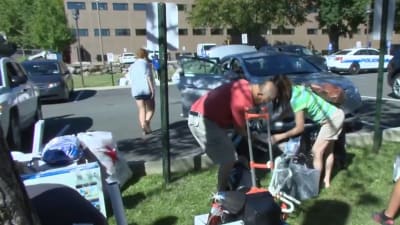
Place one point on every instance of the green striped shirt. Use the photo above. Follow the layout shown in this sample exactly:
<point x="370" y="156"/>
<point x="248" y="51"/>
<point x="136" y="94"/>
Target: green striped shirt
<point x="315" y="107"/>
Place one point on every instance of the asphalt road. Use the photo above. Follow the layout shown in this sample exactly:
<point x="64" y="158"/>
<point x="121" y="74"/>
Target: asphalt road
<point x="114" y="110"/>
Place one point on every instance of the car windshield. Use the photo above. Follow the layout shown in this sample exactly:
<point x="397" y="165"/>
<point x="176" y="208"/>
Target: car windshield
<point x="306" y="51"/>
<point x="39" y="69"/>
<point x="278" y="64"/>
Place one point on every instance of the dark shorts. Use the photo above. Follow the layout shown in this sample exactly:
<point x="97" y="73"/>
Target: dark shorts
<point x="143" y="97"/>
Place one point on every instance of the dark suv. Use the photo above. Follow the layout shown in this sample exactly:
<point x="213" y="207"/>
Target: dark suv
<point x="393" y="74"/>
<point x="311" y="56"/>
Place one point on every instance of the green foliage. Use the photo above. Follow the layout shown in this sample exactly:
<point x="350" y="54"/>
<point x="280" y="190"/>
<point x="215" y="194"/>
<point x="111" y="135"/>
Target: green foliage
<point x="48" y="27"/>
<point x="35" y="23"/>
<point x="13" y="20"/>
<point x="341" y="17"/>
<point x="252" y="17"/>
<point x="364" y="187"/>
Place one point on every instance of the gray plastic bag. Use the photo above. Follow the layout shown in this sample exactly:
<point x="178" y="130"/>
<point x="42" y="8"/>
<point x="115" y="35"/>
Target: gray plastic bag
<point x="304" y="183"/>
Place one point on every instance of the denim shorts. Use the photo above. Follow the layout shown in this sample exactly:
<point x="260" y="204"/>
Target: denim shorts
<point x="143" y="97"/>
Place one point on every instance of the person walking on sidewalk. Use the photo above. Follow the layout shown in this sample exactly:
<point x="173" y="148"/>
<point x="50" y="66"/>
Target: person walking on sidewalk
<point x="386" y="217"/>
<point x="224" y="108"/>
<point x="142" y="89"/>
<point x="305" y="103"/>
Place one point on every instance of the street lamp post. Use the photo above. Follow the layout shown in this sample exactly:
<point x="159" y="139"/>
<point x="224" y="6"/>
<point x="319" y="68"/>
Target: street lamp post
<point x="75" y="14"/>
<point x="100" y="33"/>
<point x="368" y="12"/>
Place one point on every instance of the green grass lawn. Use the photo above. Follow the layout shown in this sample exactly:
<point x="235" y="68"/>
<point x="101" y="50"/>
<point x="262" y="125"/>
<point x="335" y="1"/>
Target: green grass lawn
<point x="356" y="192"/>
<point x="94" y="80"/>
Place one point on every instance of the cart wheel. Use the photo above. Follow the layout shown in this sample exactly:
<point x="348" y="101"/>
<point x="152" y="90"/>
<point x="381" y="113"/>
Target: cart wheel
<point x="284" y="215"/>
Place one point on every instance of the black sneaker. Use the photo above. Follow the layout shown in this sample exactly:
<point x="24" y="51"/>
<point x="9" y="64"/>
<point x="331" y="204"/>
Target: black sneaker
<point x="382" y="219"/>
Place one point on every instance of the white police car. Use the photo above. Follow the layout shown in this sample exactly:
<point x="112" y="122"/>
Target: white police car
<point x="354" y="60"/>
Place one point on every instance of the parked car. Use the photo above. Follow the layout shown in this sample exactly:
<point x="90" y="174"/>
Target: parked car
<point x="52" y="77"/>
<point x="199" y="76"/>
<point x="318" y="60"/>
<point x="127" y="58"/>
<point x="19" y="100"/>
<point x="355" y="60"/>
<point x="393" y="75"/>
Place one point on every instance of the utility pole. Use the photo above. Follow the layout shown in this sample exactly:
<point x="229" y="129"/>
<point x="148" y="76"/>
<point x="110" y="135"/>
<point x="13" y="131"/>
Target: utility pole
<point x="75" y="14"/>
<point x="100" y="33"/>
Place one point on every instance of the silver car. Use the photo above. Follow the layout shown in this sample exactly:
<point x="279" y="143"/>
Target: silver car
<point x="199" y="76"/>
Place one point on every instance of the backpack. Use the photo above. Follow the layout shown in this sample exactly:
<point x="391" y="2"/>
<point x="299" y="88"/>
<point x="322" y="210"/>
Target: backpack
<point x="329" y="92"/>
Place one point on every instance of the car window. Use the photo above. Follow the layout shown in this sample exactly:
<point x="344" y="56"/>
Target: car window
<point x="40" y="69"/>
<point x="343" y="52"/>
<point x="279" y="64"/>
<point x="306" y="51"/>
<point x="199" y="66"/>
<point x="362" y="52"/>
<point x="14" y="70"/>
<point x="373" y="52"/>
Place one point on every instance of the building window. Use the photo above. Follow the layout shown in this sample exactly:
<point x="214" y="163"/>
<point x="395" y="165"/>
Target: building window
<point x="183" y="32"/>
<point x="231" y="31"/>
<point x="217" y="31"/>
<point x="199" y="31"/>
<point x="122" y="32"/>
<point x="312" y="31"/>
<point x="120" y="6"/>
<point x="102" y="5"/>
<point x="140" y="32"/>
<point x="104" y="32"/>
<point x="139" y="6"/>
<point x="283" y="31"/>
<point x="324" y="31"/>
<point x="182" y="7"/>
<point x="82" y="32"/>
<point x="76" y="5"/>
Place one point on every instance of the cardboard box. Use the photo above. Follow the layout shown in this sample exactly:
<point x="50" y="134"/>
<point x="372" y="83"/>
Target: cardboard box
<point x="84" y="178"/>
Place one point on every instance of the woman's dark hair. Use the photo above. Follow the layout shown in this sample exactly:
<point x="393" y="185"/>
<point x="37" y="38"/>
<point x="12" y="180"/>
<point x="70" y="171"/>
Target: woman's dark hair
<point x="284" y="87"/>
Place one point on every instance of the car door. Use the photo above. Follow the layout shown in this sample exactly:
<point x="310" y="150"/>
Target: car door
<point x="198" y="76"/>
<point x="373" y="56"/>
<point x="23" y="92"/>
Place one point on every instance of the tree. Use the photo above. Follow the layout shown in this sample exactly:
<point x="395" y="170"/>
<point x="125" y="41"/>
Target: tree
<point x="14" y="202"/>
<point x="35" y="23"/>
<point x="48" y="27"/>
<point x="341" y="17"/>
<point x="253" y="17"/>
<point x="13" y="20"/>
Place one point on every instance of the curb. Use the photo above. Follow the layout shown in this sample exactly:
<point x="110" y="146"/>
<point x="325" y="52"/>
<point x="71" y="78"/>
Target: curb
<point x="202" y="161"/>
<point x="366" y="139"/>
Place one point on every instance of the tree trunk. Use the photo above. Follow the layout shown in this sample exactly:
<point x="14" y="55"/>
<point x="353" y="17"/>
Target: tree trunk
<point x="14" y="203"/>
<point x="334" y="34"/>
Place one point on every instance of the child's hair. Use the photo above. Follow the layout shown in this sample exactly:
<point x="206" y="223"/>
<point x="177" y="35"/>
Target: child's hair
<point x="284" y="87"/>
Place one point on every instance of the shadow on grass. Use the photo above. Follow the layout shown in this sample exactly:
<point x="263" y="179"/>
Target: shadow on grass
<point x="168" y="220"/>
<point x="327" y="212"/>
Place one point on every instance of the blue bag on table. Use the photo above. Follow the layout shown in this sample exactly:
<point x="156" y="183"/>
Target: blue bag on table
<point x="62" y="150"/>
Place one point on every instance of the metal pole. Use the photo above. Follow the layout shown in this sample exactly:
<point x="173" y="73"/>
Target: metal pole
<point x="76" y="17"/>
<point x="100" y="33"/>
<point x="382" y="50"/>
<point x="367" y="28"/>
<point x="162" y="43"/>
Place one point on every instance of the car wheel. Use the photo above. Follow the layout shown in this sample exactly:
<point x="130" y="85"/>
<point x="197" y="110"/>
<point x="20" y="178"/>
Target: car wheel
<point x="14" y="134"/>
<point x="354" y="68"/>
<point x="396" y="86"/>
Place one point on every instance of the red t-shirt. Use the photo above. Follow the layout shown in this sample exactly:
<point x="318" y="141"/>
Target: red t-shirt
<point x="226" y="104"/>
